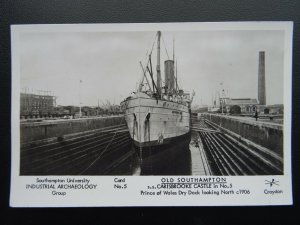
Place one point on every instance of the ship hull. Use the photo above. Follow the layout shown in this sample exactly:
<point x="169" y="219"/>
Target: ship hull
<point x="156" y="125"/>
<point x="158" y="156"/>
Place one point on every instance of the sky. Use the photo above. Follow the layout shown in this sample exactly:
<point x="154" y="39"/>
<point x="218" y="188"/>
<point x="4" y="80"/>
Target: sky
<point x="107" y="63"/>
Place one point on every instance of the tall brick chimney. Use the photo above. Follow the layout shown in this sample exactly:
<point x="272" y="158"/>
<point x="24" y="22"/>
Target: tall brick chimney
<point x="261" y="79"/>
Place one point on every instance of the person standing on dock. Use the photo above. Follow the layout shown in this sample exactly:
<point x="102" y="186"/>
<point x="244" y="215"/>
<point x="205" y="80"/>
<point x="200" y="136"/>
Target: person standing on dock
<point x="255" y="115"/>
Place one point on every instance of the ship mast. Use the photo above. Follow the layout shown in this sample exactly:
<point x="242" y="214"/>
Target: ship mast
<point x="158" y="64"/>
<point x="176" y="83"/>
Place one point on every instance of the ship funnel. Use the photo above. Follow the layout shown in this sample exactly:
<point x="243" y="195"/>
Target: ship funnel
<point x="169" y="76"/>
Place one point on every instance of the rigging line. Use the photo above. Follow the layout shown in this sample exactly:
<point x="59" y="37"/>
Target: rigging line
<point x="145" y="72"/>
<point x="165" y="47"/>
<point x="145" y="76"/>
<point x="99" y="154"/>
<point x="147" y="53"/>
<point x="177" y="87"/>
<point x="153" y="44"/>
<point x="151" y="74"/>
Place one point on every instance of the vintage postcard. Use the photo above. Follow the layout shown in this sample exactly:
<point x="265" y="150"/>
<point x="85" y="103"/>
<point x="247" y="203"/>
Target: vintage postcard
<point x="162" y="114"/>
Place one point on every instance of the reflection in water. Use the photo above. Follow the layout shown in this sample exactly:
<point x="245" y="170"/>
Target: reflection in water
<point x="128" y="167"/>
<point x="177" y="164"/>
<point x="180" y="163"/>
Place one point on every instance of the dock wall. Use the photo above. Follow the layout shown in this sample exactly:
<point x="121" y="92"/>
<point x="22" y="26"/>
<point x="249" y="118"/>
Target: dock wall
<point x="264" y="134"/>
<point x="30" y="132"/>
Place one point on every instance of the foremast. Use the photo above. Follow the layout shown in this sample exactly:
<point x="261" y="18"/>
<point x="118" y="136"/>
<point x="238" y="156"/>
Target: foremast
<point x="158" y="74"/>
<point x="169" y="89"/>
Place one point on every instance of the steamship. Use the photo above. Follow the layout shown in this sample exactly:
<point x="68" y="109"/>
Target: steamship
<point x="158" y="117"/>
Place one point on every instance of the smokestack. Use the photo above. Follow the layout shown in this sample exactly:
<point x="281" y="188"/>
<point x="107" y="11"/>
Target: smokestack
<point x="169" y="75"/>
<point x="261" y="79"/>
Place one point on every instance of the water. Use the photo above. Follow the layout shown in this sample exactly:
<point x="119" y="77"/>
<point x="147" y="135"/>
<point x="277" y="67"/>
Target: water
<point x="187" y="161"/>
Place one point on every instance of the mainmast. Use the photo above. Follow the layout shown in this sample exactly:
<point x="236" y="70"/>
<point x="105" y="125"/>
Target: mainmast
<point x="176" y="84"/>
<point x="158" y="63"/>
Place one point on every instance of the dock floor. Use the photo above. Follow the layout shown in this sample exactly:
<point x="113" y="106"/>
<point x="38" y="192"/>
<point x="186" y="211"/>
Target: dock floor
<point x="199" y="165"/>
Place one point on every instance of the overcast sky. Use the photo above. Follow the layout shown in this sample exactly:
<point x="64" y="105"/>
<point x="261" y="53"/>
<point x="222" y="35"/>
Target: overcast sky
<point x="108" y="63"/>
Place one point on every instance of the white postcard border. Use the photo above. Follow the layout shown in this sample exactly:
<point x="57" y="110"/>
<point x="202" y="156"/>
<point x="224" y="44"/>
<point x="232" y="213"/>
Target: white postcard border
<point x="105" y="194"/>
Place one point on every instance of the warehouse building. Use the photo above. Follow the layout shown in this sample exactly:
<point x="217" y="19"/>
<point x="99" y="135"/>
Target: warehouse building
<point x="34" y="104"/>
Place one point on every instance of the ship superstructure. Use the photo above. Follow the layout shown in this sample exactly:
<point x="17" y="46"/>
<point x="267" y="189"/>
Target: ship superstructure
<point x="158" y="115"/>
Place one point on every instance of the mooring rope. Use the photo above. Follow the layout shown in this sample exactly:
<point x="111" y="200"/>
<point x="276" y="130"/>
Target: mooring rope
<point x="100" y="153"/>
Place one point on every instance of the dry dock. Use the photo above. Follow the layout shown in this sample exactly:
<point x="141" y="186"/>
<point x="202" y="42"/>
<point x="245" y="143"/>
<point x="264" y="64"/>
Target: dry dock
<point x="235" y="146"/>
<point x="73" y="147"/>
<point x="220" y="145"/>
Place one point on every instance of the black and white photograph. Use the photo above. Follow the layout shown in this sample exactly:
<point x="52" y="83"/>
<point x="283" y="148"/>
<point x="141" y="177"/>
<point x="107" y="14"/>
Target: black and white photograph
<point x="152" y="103"/>
<point x="164" y="100"/>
